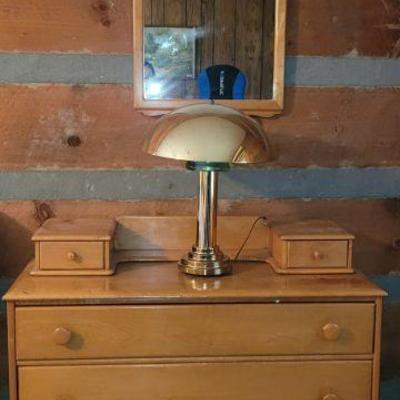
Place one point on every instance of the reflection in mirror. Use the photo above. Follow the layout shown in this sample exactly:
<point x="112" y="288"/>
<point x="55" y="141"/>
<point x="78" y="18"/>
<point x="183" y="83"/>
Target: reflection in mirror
<point x="208" y="49"/>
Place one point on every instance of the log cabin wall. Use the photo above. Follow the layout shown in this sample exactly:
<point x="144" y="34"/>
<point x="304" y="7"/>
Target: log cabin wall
<point x="239" y="33"/>
<point x="70" y="143"/>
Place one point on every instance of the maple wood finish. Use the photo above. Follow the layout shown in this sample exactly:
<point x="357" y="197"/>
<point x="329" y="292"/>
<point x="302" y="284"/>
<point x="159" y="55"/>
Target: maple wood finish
<point x="265" y="329"/>
<point x="139" y="238"/>
<point x="327" y="380"/>
<point x="311" y="247"/>
<point x="74" y="247"/>
<point x="150" y="332"/>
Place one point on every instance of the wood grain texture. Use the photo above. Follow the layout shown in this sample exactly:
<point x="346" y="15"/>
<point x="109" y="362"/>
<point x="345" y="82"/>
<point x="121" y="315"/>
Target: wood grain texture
<point x="162" y="283"/>
<point x="268" y="49"/>
<point x="64" y="111"/>
<point x="313" y="229"/>
<point x="332" y="27"/>
<point x="58" y="256"/>
<point x="248" y="51"/>
<point x="177" y="233"/>
<point x="373" y="222"/>
<point x="320" y="127"/>
<point x="158" y="12"/>
<point x="235" y="381"/>
<point x="193" y="12"/>
<point x="331" y="254"/>
<point x="84" y="229"/>
<point x="225" y="27"/>
<point x="143" y="331"/>
<point x="207" y="43"/>
<point x="337" y="127"/>
<point x="98" y="26"/>
<point x="341" y="27"/>
<point x="311" y="246"/>
<point x="175" y="13"/>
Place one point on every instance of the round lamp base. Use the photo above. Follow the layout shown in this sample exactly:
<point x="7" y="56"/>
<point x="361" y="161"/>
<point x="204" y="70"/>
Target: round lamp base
<point x="208" y="262"/>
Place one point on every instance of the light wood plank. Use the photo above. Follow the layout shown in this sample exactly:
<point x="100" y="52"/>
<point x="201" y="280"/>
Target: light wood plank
<point x="373" y="254"/>
<point x="170" y="331"/>
<point x="175" y="13"/>
<point x="207" y="41"/>
<point x="158" y="12"/>
<point x="224" y="34"/>
<point x="283" y="381"/>
<point x="78" y="229"/>
<point x="179" y="233"/>
<point x="193" y="12"/>
<point x="138" y="283"/>
<point x="248" y="52"/>
<point x="268" y="49"/>
<point x="147" y="12"/>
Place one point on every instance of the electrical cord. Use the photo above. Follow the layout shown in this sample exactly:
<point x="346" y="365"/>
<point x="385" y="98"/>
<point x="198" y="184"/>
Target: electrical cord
<point x="256" y="221"/>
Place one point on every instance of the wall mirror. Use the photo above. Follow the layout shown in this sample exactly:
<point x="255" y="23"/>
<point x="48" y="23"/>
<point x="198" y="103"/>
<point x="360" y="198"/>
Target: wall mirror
<point x="229" y="52"/>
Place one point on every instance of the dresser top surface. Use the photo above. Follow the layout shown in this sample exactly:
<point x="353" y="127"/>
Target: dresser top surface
<point x="162" y="283"/>
<point x="56" y="229"/>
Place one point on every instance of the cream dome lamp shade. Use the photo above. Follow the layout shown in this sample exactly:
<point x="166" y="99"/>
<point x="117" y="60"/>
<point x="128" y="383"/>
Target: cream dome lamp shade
<point x="209" y="134"/>
<point x="209" y="138"/>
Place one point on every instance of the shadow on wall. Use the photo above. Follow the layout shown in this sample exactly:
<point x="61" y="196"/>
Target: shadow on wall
<point x="391" y="335"/>
<point x="16" y="248"/>
<point x="4" y="285"/>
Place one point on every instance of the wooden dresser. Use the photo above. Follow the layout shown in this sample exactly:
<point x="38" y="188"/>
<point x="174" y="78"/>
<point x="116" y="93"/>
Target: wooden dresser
<point x="151" y="333"/>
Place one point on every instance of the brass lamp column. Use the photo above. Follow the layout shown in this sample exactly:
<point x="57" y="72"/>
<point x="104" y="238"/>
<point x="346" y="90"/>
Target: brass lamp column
<point x="210" y="138"/>
<point x="206" y="259"/>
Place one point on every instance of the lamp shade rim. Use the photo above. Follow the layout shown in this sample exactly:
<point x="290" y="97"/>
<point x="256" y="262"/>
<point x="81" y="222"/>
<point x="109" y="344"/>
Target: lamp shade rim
<point x="207" y="134"/>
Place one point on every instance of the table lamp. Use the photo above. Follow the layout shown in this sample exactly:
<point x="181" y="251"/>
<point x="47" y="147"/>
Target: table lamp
<point x="209" y="138"/>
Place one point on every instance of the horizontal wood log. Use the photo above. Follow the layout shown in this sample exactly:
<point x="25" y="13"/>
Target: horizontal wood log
<point x="337" y="127"/>
<point x="374" y="222"/>
<point x="340" y="27"/>
<point x="58" y="126"/>
<point x="98" y="26"/>
<point x="329" y="27"/>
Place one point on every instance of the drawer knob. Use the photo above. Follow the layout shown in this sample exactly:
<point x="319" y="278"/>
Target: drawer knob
<point x="331" y="396"/>
<point x="72" y="256"/>
<point x="317" y="255"/>
<point x="331" y="331"/>
<point x="62" y="336"/>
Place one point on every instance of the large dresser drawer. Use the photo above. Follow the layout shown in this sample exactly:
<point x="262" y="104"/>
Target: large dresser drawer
<point x="76" y="332"/>
<point x="219" y="381"/>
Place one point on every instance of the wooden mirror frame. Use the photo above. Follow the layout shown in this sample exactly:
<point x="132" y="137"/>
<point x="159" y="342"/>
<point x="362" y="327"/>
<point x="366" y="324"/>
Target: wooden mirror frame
<point x="254" y="107"/>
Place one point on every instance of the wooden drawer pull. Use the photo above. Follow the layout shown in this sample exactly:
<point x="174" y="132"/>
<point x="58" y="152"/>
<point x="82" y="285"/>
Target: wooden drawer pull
<point x="72" y="256"/>
<point x="331" y="331"/>
<point x="317" y="255"/>
<point x="331" y="396"/>
<point x="62" y="336"/>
